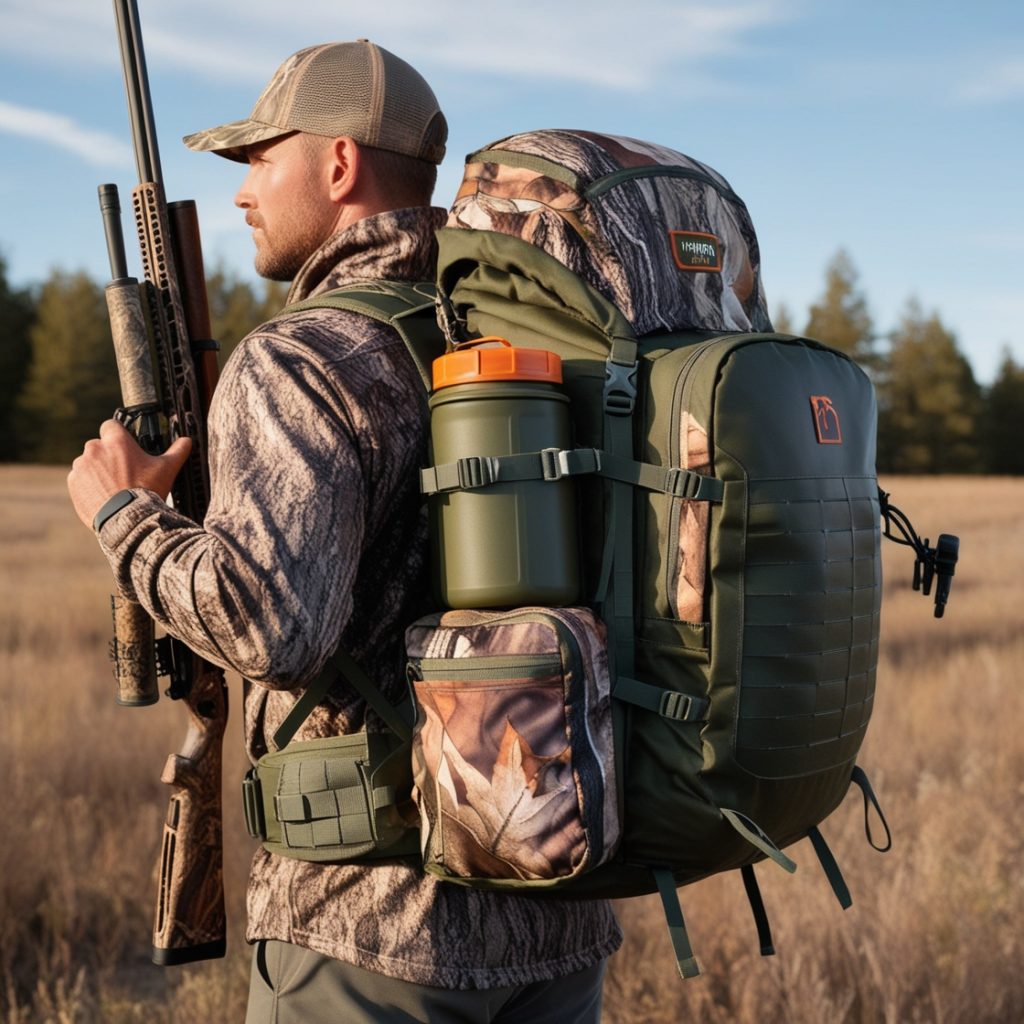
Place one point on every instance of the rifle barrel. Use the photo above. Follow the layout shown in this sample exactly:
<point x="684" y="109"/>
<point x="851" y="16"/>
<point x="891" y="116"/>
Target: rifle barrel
<point x="110" y="209"/>
<point x="136" y="83"/>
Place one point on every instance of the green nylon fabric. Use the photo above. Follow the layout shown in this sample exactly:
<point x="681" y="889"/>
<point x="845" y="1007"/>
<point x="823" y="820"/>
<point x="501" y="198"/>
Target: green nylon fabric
<point x="334" y="799"/>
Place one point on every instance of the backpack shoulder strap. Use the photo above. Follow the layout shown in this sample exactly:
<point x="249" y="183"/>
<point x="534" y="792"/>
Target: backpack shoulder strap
<point x="407" y="306"/>
<point x="342" y="665"/>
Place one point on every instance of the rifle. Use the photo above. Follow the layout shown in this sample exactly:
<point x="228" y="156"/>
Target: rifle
<point x="164" y="322"/>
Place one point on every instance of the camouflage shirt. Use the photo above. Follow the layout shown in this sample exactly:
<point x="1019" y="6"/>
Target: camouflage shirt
<point x="314" y="533"/>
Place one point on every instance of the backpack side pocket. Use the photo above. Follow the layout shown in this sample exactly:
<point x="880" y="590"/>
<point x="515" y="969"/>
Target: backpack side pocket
<point x="512" y="750"/>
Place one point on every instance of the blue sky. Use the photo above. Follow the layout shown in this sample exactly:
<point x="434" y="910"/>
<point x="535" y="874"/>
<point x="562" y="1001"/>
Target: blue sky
<point x="893" y="129"/>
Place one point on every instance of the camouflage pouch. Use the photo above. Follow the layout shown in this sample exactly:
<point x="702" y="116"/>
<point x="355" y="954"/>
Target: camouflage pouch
<point x="513" y="760"/>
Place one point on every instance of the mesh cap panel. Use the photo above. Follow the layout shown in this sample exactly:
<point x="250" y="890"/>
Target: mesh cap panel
<point x="356" y="89"/>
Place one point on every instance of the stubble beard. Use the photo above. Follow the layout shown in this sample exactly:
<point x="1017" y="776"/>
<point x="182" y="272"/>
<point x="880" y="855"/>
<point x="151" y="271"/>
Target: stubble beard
<point x="282" y="260"/>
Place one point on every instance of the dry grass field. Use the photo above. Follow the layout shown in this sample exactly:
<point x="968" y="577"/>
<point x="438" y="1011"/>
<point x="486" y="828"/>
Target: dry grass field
<point x="936" y="932"/>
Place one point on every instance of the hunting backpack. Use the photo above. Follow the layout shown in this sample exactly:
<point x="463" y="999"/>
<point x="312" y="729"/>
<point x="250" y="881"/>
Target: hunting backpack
<point x="702" y="704"/>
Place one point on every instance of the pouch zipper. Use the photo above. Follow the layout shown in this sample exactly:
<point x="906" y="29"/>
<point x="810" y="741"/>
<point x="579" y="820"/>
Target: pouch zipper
<point x="487" y="667"/>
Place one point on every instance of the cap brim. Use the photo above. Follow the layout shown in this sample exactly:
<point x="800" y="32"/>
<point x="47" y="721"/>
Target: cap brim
<point x="232" y="140"/>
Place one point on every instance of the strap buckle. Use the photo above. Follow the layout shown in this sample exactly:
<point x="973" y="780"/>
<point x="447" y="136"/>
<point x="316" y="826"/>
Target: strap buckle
<point x="477" y="471"/>
<point x="684" y="483"/>
<point x="556" y="463"/>
<point x="551" y="466"/>
<point x="676" y="706"/>
<point x="620" y="388"/>
<point x="252" y="805"/>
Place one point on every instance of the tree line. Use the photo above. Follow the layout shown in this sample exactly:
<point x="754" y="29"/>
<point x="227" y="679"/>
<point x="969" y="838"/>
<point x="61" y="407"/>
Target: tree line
<point x="58" y="379"/>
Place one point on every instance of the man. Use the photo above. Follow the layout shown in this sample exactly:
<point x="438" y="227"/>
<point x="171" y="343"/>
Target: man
<point x="315" y="536"/>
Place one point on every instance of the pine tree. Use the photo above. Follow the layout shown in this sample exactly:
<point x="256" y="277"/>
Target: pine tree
<point x="782" y="321"/>
<point x="1003" y="433"/>
<point x="235" y="308"/>
<point x="840" y="317"/>
<point x="73" y="384"/>
<point x="929" y="402"/>
<point x="17" y="309"/>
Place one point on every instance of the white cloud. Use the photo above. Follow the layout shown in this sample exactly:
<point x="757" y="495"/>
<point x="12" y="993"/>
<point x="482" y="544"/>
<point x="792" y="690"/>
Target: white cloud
<point x="602" y="43"/>
<point x="97" y="148"/>
<point x="1000" y="82"/>
<point x="63" y="32"/>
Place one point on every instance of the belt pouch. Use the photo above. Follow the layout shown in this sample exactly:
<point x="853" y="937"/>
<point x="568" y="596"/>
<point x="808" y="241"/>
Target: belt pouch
<point x="333" y="799"/>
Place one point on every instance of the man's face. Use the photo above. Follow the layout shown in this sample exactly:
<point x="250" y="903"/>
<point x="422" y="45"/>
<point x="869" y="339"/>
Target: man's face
<point x="286" y="203"/>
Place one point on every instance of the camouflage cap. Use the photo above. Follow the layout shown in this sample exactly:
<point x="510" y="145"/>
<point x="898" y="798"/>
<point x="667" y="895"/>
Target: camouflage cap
<point x="357" y="89"/>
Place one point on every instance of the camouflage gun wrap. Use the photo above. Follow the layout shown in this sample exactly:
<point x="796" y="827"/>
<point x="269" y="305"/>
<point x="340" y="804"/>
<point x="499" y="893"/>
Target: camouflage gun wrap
<point x="168" y="371"/>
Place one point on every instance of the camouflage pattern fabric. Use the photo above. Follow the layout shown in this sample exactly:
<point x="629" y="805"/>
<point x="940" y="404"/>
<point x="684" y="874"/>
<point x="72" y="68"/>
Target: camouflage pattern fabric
<point x="515" y="766"/>
<point x="315" y="532"/>
<point x="690" y="570"/>
<point x="673" y="247"/>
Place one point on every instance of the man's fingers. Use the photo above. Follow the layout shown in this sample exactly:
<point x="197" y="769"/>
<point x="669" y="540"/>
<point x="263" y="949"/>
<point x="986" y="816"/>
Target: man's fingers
<point x="110" y="429"/>
<point x="178" y="452"/>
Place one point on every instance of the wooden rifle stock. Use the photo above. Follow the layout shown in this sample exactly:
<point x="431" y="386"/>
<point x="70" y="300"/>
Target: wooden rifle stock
<point x="169" y="319"/>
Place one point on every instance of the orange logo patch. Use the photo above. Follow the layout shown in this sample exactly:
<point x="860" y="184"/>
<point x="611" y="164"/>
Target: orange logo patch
<point x="696" y="250"/>
<point x="826" y="420"/>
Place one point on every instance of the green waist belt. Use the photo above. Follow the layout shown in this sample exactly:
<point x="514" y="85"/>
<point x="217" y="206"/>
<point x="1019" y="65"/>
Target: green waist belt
<point x="334" y="799"/>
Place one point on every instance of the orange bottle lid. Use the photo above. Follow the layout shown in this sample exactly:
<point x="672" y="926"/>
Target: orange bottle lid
<point x="472" y="363"/>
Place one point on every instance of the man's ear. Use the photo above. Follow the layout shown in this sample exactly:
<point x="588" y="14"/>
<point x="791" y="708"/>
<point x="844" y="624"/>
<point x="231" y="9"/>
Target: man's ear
<point x="343" y="168"/>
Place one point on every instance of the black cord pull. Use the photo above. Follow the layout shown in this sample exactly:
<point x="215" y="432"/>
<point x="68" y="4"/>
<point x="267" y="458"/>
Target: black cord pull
<point x="930" y="564"/>
<point x="946" y="554"/>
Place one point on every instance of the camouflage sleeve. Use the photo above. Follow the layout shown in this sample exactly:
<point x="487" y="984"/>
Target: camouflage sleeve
<point x="264" y="586"/>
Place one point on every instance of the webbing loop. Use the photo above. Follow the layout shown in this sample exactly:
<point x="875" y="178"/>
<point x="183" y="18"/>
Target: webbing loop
<point x="830" y="867"/>
<point x="756" y="901"/>
<point x="685" y="960"/>
<point x="756" y="836"/>
<point x="859" y="776"/>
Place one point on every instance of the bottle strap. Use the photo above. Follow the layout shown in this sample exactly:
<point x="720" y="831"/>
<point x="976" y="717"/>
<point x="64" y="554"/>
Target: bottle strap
<point x="472" y="472"/>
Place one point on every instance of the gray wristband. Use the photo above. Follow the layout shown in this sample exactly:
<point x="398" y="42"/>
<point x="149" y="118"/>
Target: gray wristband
<point x="111" y="507"/>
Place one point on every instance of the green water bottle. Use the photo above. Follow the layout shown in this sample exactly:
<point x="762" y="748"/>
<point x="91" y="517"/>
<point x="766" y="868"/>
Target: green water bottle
<point x="502" y="545"/>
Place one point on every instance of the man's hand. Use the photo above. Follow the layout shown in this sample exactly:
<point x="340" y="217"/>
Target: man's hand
<point x="115" y="462"/>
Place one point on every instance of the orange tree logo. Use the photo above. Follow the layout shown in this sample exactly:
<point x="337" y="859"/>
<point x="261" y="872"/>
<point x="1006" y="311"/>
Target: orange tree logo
<point x="826" y="420"/>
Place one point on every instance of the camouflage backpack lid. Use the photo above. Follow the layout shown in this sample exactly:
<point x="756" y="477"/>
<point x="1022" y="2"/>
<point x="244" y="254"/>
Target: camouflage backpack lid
<point x="692" y="263"/>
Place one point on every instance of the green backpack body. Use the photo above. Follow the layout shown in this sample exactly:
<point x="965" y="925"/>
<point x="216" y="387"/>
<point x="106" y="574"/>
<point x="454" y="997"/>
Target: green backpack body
<point x="731" y="542"/>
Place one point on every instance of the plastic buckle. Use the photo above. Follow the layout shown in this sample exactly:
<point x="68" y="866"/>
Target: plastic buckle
<point x="620" y="388"/>
<point x="683" y="483"/>
<point x="252" y="805"/>
<point x="675" y="705"/>
<point x="476" y="471"/>
<point x="551" y="464"/>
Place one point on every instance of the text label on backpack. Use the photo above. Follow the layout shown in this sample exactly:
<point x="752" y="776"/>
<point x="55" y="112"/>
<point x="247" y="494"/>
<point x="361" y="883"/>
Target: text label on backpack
<point x="695" y="250"/>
